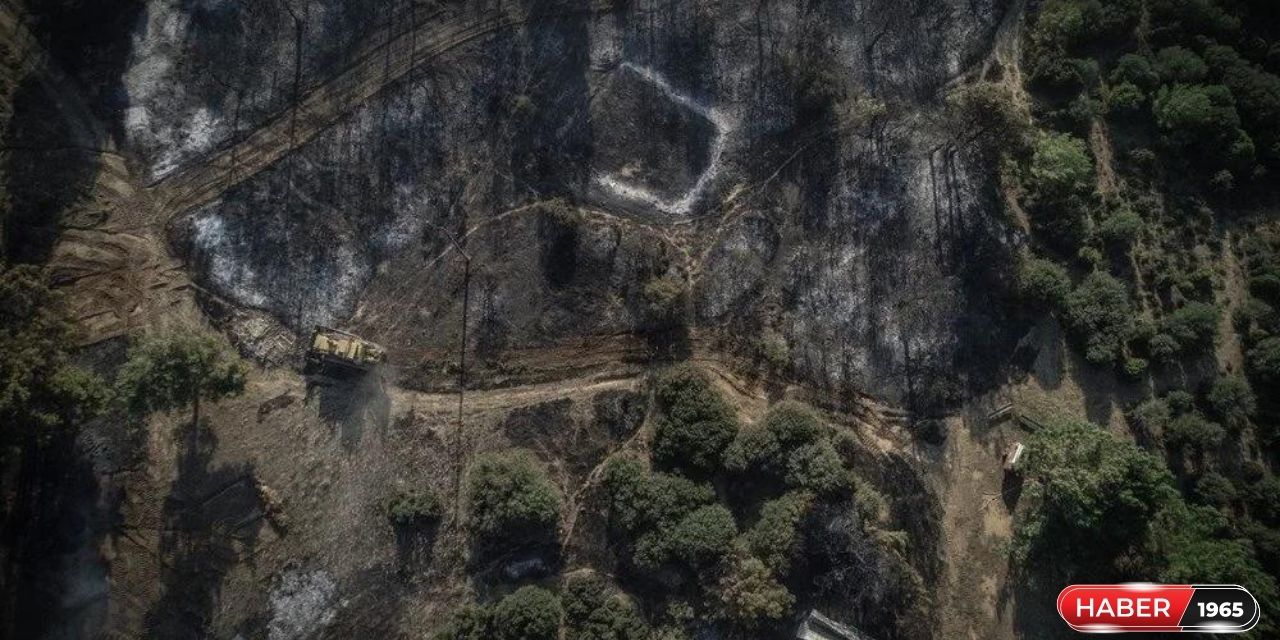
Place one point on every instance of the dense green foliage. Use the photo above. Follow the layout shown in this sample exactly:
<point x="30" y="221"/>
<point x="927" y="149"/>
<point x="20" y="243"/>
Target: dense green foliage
<point x="511" y="500"/>
<point x="1098" y="311"/>
<point x="1232" y="401"/>
<point x="1090" y="496"/>
<point x="414" y="508"/>
<point x="1043" y="284"/>
<point x="696" y="424"/>
<point x="594" y="611"/>
<point x="749" y="594"/>
<point x="531" y="613"/>
<point x="775" y="537"/>
<point x="176" y="370"/>
<point x="680" y="528"/>
<point x="39" y="388"/>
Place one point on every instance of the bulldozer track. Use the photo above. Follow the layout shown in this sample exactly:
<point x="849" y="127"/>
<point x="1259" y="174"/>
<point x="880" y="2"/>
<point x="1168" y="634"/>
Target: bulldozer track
<point x="373" y="72"/>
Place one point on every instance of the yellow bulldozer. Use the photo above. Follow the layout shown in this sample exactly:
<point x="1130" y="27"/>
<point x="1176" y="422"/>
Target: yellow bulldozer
<point x="332" y="348"/>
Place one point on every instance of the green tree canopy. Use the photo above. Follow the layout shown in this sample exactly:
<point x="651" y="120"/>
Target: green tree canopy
<point x="1232" y="400"/>
<point x="39" y="388"/>
<point x="1099" y="313"/>
<point x="749" y="594"/>
<point x="594" y="611"/>
<point x="531" y="613"/>
<point x="1090" y="495"/>
<point x="696" y="423"/>
<point x="176" y="370"/>
<point x="511" y="500"/>
<point x="1043" y="283"/>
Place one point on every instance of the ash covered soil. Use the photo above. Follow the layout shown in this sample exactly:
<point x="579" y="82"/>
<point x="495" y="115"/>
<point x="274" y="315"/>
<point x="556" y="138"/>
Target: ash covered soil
<point x="527" y="170"/>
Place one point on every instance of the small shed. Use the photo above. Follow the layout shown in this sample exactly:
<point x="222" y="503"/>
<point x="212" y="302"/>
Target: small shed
<point x="815" y="626"/>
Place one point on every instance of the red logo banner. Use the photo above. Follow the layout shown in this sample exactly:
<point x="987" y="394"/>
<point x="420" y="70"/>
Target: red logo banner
<point x="1158" y="607"/>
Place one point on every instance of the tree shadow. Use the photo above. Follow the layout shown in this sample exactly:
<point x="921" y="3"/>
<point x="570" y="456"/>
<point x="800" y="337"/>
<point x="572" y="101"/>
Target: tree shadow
<point x="415" y="547"/>
<point x="211" y="520"/>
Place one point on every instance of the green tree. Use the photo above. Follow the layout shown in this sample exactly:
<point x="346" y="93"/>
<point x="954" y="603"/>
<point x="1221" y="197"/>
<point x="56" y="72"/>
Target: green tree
<point x="593" y="611"/>
<point x="531" y="613"/>
<point x="1090" y="495"/>
<point x="414" y="508"/>
<point x="639" y="501"/>
<point x="696" y="423"/>
<point x="775" y="537"/>
<point x="1194" y="326"/>
<point x="39" y="388"/>
<point x="1135" y="70"/>
<point x="1099" y="313"/>
<point x="1232" y="401"/>
<point x="1043" y="283"/>
<point x="172" y="371"/>
<point x="817" y="467"/>
<point x="699" y="541"/>
<point x="1061" y="168"/>
<point x="1193" y="432"/>
<point x="750" y="595"/>
<point x="767" y="447"/>
<point x="1264" y="362"/>
<point x="511" y="500"/>
<point x="1180" y="65"/>
<point x="1204" y="119"/>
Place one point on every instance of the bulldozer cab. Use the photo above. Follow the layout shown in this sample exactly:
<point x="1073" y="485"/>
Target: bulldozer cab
<point x="339" y="349"/>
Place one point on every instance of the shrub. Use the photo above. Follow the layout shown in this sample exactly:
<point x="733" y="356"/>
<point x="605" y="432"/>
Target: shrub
<point x="1061" y="168"/>
<point x="1216" y="490"/>
<point x="1180" y="65"/>
<point x="1125" y="99"/>
<point x="639" y="502"/>
<point x="818" y="468"/>
<point x="1264" y="362"/>
<point x="766" y="448"/>
<point x="531" y="613"/>
<point x="414" y="508"/>
<point x="1135" y="70"/>
<point x="1194" y="326"/>
<point x="1135" y="368"/>
<point x="696" y="424"/>
<point x="1232" y="401"/>
<point x="664" y="302"/>
<point x="1121" y="226"/>
<point x="699" y="541"/>
<point x="510" y="499"/>
<point x="1180" y="401"/>
<point x="1098" y="311"/>
<point x="1163" y="347"/>
<point x="1263" y="499"/>
<point x="1043" y="283"/>
<point x="592" y="611"/>
<point x="749" y="594"/>
<point x="1192" y="431"/>
<point x="775" y="538"/>
<point x="1149" y="419"/>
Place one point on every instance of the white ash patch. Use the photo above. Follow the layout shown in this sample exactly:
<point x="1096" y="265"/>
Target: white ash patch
<point x="302" y="604"/>
<point x="683" y="205"/>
